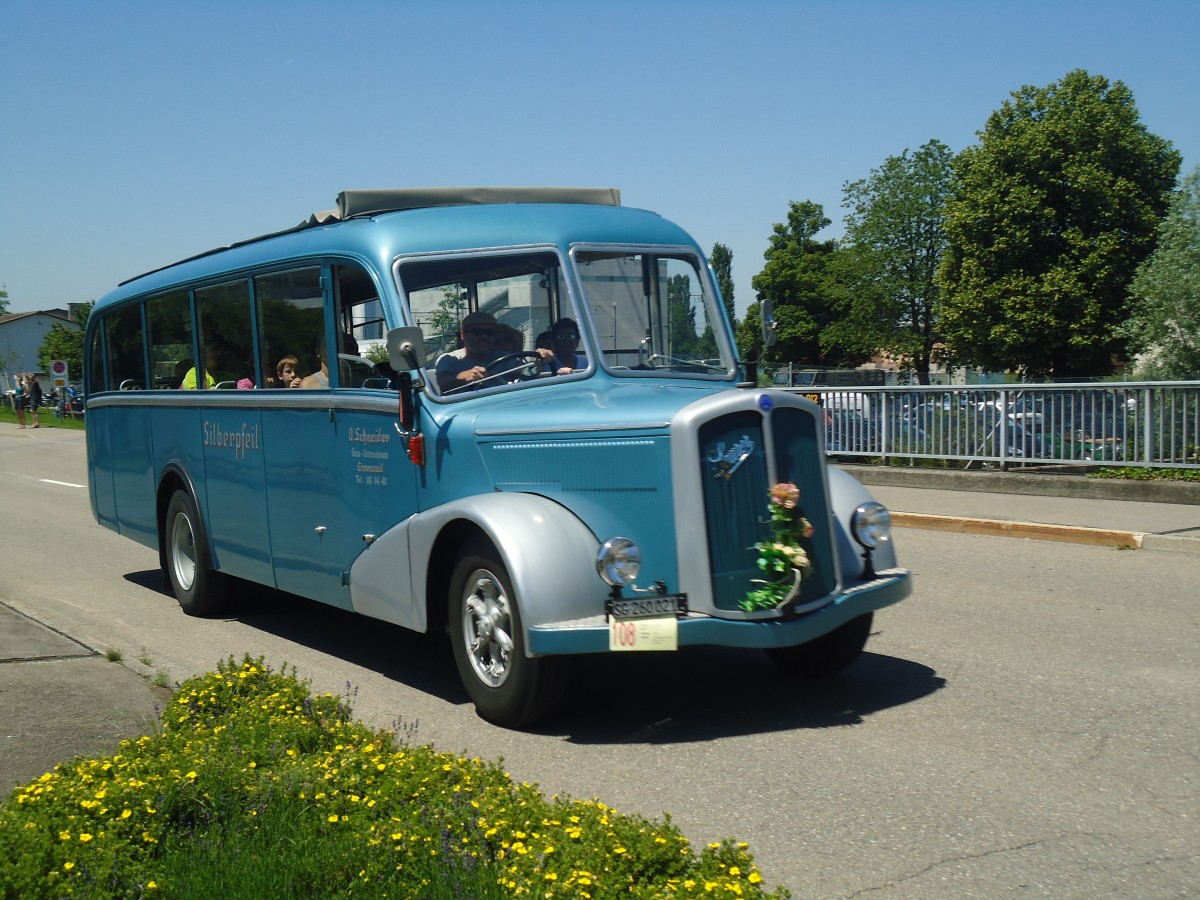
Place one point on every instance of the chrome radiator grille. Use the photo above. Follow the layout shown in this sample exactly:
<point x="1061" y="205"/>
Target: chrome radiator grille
<point x="785" y="448"/>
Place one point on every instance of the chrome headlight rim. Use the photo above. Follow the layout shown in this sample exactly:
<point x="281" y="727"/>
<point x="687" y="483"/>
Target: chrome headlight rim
<point x="871" y="524"/>
<point x="618" y="561"/>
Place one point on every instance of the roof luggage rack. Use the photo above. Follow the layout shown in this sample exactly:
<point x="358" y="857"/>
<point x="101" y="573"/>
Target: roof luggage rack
<point x="361" y="203"/>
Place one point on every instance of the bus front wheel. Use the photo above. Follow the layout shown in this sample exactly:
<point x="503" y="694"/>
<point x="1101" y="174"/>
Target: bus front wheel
<point x="200" y="590"/>
<point x="507" y="687"/>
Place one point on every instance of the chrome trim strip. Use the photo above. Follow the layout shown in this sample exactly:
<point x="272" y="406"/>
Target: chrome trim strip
<point x="266" y="399"/>
<point x="572" y="429"/>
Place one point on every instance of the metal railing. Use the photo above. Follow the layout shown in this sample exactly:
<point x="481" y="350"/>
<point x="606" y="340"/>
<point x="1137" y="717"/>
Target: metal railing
<point x="1152" y="424"/>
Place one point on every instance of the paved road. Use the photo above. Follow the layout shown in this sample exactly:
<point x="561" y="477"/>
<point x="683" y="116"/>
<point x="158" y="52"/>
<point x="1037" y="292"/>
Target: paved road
<point x="1024" y="724"/>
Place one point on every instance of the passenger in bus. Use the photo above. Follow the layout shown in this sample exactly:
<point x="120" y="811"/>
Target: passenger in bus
<point x="320" y="379"/>
<point x="508" y="340"/>
<point x="564" y="342"/>
<point x="287" y="373"/>
<point x="189" y="379"/>
<point x="217" y="355"/>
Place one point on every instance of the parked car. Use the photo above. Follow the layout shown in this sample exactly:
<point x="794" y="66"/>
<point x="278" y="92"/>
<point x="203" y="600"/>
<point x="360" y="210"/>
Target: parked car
<point x="846" y="431"/>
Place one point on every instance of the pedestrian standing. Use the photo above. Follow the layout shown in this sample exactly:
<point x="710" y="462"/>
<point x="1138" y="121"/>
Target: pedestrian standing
<point x="33" y="391"/>
<point x="19" y="401"/>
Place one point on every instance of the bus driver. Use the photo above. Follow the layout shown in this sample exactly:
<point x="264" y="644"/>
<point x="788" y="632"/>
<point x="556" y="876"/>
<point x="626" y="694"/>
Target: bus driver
<point x="469" y="363"/>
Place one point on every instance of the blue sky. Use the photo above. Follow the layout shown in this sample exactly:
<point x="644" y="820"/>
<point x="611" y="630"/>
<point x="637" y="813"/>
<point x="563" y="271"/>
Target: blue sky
<point x="133" y="134"/>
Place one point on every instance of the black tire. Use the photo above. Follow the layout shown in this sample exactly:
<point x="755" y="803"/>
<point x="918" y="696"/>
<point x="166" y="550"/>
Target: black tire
<point x="200" y="590"/>
<point x="828" y="654"/>
<point x="507" y="687"/>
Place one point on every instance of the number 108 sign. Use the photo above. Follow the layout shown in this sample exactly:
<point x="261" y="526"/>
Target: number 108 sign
<point x="651" y="633"/>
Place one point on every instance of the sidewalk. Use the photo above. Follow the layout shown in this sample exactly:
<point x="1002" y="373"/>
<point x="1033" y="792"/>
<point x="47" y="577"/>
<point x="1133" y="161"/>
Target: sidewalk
<point x="1112" y="513"/>
<point x="59" y="697"/>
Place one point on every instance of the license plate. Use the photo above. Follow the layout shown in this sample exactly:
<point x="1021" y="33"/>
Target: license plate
<point x="646" y="605"/>
<point x="645" y="633"/>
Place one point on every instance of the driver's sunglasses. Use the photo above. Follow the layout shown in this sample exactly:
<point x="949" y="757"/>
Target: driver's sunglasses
<point x="482" y="332"/>
<point x="566" y="336"/>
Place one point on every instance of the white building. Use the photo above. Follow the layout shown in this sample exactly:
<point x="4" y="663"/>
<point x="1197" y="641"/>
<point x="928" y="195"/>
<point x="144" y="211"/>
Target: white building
<point x="21" y="334"/>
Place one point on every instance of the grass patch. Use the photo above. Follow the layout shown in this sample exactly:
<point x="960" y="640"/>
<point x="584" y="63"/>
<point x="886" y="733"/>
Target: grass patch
<point x="46" y="419"/>
<point x="254" y="787"/>
<point x="1136" y="473"/>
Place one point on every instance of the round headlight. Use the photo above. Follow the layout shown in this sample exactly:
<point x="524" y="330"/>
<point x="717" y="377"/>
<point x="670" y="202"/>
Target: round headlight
<point x="619" y="561"/>
<point x="871" y="524"/>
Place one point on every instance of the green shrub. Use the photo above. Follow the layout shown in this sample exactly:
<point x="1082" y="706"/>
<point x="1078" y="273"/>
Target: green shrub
<point x="254" y="787"/>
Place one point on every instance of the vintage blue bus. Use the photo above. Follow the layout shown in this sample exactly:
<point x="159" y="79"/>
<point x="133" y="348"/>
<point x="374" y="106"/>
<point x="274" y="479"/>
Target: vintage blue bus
<point x="513" y="414"/>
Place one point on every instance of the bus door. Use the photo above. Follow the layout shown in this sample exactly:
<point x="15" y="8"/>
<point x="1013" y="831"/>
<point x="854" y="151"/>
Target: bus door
<point x="309" y="525"/>
<point x="337" y="479"/>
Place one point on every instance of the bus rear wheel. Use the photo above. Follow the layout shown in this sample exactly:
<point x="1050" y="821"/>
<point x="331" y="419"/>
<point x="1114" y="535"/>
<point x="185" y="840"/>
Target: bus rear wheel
<point x="507" y="687"/>
<point x="200" y="590"/>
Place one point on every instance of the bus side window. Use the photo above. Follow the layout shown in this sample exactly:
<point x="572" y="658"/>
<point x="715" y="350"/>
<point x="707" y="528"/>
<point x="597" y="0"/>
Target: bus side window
<point x="362" y="327"/>
<point x="169" y="329"/>
<point x="226" y="349"/>
<point x="126" y="355"/>
<point x="290" y="309"/>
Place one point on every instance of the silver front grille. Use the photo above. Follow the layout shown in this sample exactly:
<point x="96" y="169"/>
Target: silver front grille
<point x="785" y="448"/>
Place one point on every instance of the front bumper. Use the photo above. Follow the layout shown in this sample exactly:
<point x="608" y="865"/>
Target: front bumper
<point x="591" y="635"/>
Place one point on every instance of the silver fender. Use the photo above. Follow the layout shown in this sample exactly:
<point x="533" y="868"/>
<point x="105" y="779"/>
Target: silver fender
<point x="845" y="494"/>
<point x="550" y="556"/>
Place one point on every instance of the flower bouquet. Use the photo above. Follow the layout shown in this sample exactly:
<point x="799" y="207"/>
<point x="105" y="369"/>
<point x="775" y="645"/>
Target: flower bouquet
<point x="781" y="558"/>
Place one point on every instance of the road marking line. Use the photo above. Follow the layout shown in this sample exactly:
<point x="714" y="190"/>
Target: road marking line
<point x="63" y="483"/>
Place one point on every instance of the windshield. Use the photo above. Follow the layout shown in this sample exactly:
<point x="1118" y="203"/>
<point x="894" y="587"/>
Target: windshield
<point x="508" y="318"/>
<point x="653" y="312"/>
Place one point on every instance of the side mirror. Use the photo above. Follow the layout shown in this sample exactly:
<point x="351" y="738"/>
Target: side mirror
<point x="766" y="313"/>
<point x="406" y="348"/>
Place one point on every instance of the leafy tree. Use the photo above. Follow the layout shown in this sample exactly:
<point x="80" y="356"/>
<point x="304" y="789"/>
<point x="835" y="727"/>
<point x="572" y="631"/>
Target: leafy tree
<point x="1052" y="213"/>
<point x="888" y="261"/>
<point x="4" y="301"/>
<point x="65" y="343"/>
<point x="721" y="260"/>
<point x="684" y="339"/>
<point x="796" y="280"/>
<point x="1165" y="295"/>
<point x="747" y="334"/>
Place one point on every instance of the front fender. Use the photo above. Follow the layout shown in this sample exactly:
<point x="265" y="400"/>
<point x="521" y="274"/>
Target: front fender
<point x="548" y="552"/>
<point x="845" y="494"/>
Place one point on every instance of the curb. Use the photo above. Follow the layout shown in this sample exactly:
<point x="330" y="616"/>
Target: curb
<point x="1040" y="483"/>
<point x="1070" y="534"/>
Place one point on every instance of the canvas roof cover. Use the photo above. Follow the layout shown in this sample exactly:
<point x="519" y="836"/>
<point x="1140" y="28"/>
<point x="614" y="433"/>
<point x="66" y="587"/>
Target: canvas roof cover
<point x="373" y="202"/>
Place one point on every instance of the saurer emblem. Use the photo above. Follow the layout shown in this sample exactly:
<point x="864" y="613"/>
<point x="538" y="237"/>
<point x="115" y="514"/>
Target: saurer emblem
<point x="726" y="462"/>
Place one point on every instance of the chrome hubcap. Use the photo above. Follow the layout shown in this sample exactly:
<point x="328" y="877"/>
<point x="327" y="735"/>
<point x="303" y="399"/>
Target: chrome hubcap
<point x="487" y="627"/>
<point x="183" y="552"/>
